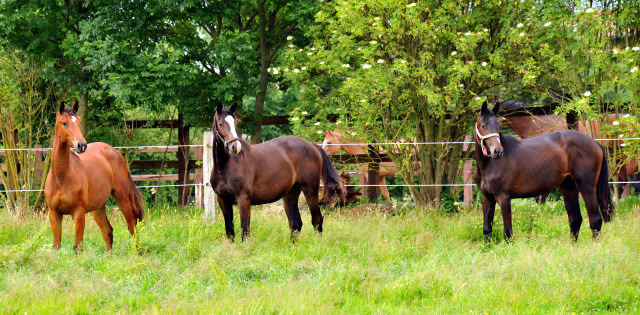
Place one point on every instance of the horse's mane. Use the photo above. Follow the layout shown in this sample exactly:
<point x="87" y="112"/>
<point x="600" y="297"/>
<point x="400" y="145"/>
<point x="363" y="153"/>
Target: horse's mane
<point x="69" y="111"/>
<point x="509" y="144"/>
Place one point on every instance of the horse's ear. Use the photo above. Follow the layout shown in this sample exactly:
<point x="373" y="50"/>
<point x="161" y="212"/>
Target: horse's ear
<point x="233" y="107"/>
<point x="75" y="106"/>
<point x="61" y="108"/>
<point x="219" y="109"/>
<point x="496" y="108"/>
<point x="484" y="109"/>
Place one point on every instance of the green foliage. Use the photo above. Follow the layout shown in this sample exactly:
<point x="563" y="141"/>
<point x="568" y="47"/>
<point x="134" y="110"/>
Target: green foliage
<point x="413" y="262"/>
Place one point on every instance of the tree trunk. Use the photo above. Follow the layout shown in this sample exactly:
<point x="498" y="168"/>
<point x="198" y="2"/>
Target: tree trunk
<point x="265" y="60"/>
<point x="83" y="110"/>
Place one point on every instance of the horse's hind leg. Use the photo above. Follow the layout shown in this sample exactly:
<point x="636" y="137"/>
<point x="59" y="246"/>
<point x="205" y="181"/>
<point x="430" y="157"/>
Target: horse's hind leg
<point x="79" y="216"/>
<point x="291" y="208"/>
<point x="55" y="218"/>
<point x="122" y="199"/>
<point x="100" y="216"/>
<point x="591" y="202"/>
<point x="571" y="203"/>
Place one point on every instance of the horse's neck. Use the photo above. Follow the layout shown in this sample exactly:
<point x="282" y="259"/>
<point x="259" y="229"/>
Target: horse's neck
<point x="60" y="157"/>
<point x="353" y="149"/>
<point x="221" y="159"/>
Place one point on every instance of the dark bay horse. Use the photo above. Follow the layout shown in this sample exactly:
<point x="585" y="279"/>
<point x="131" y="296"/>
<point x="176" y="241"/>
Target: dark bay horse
<point x="81" y="183"/>
<point x="246" y="175"/>
<point x="509" y="168"/>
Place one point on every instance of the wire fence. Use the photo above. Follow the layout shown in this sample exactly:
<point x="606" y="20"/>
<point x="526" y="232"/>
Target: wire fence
<point x="330" y="144"/>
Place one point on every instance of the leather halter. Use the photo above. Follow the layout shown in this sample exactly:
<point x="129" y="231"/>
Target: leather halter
<point x="480" y="138"/>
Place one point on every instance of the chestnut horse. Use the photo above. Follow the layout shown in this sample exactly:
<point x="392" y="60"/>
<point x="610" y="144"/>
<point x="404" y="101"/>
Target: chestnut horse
<point x="509" y="168"/>
<point x="333" y="143"/>
<point x="81" y="183"/>
<point x="248" y="175"/>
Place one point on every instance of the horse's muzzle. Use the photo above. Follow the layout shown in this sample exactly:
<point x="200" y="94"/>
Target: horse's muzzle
<point x="233" y="147"/>
<point x="497" y="153"/>
<point x="81" y="147"/>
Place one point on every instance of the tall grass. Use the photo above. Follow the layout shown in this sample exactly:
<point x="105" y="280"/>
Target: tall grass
<point x="407" y="263"/>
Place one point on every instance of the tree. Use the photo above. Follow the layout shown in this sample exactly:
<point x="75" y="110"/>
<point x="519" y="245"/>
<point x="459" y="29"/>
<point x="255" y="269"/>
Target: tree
<point x="416" y="72"/>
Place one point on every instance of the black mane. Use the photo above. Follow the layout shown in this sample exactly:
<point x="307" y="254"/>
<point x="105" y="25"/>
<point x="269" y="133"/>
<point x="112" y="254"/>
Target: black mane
<point x="70" y="111"/>
<point x="509" y="144"/>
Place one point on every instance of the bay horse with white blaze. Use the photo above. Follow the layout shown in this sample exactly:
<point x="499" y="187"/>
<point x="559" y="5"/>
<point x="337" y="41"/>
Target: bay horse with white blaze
<point x="81" y="183"/>
<point x="246" y="175"/>
<point x="509" y="168"/>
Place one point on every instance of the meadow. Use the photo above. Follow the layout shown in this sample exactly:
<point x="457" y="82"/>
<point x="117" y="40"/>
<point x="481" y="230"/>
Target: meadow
<point x="365" y="262"/>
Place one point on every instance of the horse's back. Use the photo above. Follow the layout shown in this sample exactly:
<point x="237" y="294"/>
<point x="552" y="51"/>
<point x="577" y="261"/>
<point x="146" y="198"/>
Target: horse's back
<point x="106" y="169"/>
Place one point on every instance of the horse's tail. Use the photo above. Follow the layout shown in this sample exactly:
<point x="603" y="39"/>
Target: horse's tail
<point x="135" y="199"/>
<point x="332" y="181"/>
<point x="602" y="190"/>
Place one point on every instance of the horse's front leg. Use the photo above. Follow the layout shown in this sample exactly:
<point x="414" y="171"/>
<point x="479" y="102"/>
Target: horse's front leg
<point x="79" y="216"/>
<point x="227" y="212"/>
<point x="488" y="210"/>
<point x="505" y="207"/>
<point x="244" y="207"/>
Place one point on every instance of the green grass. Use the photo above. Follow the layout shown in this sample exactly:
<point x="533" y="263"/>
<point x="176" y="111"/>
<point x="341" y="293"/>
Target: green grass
<point x="407" y="263"/>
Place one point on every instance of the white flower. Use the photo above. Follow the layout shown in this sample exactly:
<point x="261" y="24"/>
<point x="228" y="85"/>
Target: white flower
<point x="521" y="34"/>
<point x="380" y="61"/>
<point x="634" y="69"/>
<point x="478" y="98"/>
<point x="338" y="122"/>
<point x="622" y="145"/>
<point x="453" y="53"/>
<point x="413" y="4"/>
<point x="300" y="50"/>
<point x="291" y="46"/>
<point x="338" y="108"/>
<point x="366" y="66"/>
<point x="275" y="71"/>
<point x="636" y="48"/>
<point x="309" y="53"/>
<point x="533" y="76"/>
<point x="486" y="29"/>
<point x="587" y="93"/>
<point x="467" y="33"/>
<point x="362" y="100"/>
<point x="403" y="61"/>
<point x="313" y="48"/>
<point x="304" y="112"/>
<point x="296" y="70"/>
<point x="317" y="124"/>
<point x="286" y="69"/>
<point x="519" y="25"/>
<point x="303" y="68"/>
<point x="547" y="24"/>
<point x="484" y="63"/>
<point x="621" y="136"/>
<point x="346" y="65"/>
<point x="615" y="51"/>
<point x="321" y="62"/>
<point x="589" y="10"/>
<point x="319" y="132"/>
<point x="289" y="37"/>
<point x="353" y="134"/>
<point x="295" y="118"/>
<point x="615" y="123"/>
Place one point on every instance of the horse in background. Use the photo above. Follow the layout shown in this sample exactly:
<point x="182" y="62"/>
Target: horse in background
<point x="508" y="167"/>
<point x="246" y="175"/>
<point x="333" y="143"/>
<point x="531" y="126"/>
<point x="81" y="183"/>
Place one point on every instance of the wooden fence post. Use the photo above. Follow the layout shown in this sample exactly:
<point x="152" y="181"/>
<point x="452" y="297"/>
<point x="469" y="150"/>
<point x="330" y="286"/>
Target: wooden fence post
<point x="373" y="175"/>
<point x="183" y="161"/>
<point x="198" y="188"/>
<point x="467" y="170"/>
<point x="207" y="167"/>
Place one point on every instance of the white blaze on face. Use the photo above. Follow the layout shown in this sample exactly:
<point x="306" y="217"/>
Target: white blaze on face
<point x="73" y="118"/>
<point x="232" y="127"/>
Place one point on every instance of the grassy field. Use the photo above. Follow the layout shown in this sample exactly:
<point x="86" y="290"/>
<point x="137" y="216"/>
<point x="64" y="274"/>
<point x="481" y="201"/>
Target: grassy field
<point x="365" y="263"/>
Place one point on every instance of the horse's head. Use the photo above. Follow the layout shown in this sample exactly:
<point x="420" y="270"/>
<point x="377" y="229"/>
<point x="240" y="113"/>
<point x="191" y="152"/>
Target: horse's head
<point x="331" y="141"/>
<point x="224" y="128"/>
<point x="488" y="131"/>
<point x="68" y="127"/>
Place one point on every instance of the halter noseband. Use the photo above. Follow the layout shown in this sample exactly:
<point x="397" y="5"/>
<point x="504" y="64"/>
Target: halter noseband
<point x="480" y="138"/>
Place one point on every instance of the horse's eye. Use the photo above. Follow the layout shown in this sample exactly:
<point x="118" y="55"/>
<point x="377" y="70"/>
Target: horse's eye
<point x="64" y="123"/>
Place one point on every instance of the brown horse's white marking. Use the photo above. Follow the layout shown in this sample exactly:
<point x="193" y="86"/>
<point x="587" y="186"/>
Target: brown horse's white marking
<point x="81" y="183"/>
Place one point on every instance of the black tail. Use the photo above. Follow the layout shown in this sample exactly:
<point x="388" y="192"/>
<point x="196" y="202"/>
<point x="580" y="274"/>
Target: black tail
<point x="602" y="190"/>
<point x="136" y="200"/>
<point x="332" y="181"/>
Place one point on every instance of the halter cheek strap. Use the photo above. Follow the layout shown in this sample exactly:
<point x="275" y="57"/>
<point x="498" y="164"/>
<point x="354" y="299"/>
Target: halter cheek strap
<point x="480" y="138"/>
<point x="225" y="142"/>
